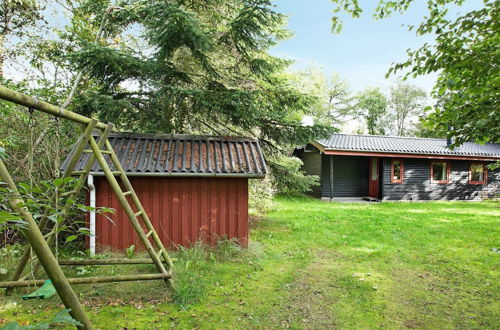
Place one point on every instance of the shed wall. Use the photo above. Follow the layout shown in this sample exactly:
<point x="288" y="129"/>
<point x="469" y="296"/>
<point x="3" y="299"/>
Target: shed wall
<point x="417" y="186"/>
<point x="183" y="210"/>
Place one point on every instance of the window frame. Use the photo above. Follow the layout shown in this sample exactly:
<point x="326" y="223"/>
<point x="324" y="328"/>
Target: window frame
<point x="401" y="170"/>
<point x="448" y="171"/>
<point x="485" y="173"/>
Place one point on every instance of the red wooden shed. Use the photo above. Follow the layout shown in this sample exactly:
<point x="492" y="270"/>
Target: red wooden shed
<point x="193" y="187"/>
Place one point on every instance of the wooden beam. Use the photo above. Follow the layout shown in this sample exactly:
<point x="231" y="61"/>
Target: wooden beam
<point x="34" y="103"/>
<point x="82" y="142"/>
<point x="105" y="262"/>
<point x="44" y="254"/>
<point x="88" y="280"/>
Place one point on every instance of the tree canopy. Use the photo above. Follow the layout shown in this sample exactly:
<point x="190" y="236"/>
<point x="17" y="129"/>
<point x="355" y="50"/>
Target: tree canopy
<point x="197" y="67"/>
<point x="465" y="54"/>
<point x="406" y="102"/>
<point x="371" y="105"/>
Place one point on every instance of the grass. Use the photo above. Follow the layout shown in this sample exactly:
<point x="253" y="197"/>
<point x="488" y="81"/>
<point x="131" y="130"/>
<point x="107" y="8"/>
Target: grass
<point x="312" y="264"/>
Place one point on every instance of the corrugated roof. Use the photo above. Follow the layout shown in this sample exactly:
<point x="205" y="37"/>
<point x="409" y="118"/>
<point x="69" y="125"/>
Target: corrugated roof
<point x="183" y="155"/>
<point x="406" y="145"/>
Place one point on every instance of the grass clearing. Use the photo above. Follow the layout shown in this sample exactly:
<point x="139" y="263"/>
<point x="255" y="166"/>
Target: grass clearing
<point x="312" y="264"/>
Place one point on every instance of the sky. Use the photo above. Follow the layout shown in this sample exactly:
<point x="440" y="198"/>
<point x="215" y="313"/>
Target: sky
<point x="364" y="50"/>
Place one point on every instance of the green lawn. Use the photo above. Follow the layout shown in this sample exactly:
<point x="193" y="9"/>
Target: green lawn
<point x="314" y="264"/>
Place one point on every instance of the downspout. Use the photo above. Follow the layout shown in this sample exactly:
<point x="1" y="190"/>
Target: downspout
<point x="331" y="178"/>
<point x="90" y="183"/>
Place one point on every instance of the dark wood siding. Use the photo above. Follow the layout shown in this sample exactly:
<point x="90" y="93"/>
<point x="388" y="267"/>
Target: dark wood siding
<point x="417" y="185"/>
<point x="350" y="176"/>
<point x="182" y="210"/>
<point x="312" y="166"/>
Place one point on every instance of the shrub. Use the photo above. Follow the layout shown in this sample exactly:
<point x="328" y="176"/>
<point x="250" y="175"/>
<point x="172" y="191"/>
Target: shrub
<point x="261" y="195"/>
<point x="289" y="178"/>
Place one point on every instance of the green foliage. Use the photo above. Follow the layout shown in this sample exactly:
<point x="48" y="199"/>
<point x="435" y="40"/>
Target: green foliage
<point x="130" y="251"/>
<point x="261" y="195"/>
<point x="39" y="201"/>
<point x="465" y="55"/>
<point x="16" y="16"/>
<point x="406" y="102"/>
<point x="199" y="69"/>
<point x="193" y="263"/>
<point x="332" y="94"/>
<point x="291" y="180"/>
<point x="371" y="105"/>
<point x="196" y="67"/>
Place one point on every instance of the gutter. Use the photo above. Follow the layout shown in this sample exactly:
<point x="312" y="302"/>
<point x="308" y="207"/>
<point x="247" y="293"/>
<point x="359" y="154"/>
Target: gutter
<point x="90" y="183"/>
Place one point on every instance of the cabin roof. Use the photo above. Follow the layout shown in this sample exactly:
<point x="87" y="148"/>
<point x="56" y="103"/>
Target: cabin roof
<point x="405" y="145"/>
<point x="183" y="155"/>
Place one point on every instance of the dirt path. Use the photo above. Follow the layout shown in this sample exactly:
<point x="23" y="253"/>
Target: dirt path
<point x="309" y="304"/>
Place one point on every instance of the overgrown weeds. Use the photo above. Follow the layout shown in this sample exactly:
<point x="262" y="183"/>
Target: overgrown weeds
<point x="194" y="263"/>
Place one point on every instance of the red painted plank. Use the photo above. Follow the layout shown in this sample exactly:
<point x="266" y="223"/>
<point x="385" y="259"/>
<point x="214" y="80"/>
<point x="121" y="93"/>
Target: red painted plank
<point x="182" y="210"/>
<point x="231" y="208"/>
<point x="185" y="207"/>
<point x="222" y="188"/>
<point x="213" y="211"/>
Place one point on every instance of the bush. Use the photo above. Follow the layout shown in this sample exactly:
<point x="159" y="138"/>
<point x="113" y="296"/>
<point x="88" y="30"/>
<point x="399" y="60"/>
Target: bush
<point x="289" y="178"/>
<point x="261" y="195"/>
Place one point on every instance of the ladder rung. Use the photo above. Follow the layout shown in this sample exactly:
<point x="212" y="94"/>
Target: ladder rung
<point x="159" y="255"/>
<point x="127" y="193"/>
<point x="78" y="172"/>
<point x="116" y="172"/>
<point x="138" y="213"/>
<point x="90" y="151"/>
<point x="149" y="233"/>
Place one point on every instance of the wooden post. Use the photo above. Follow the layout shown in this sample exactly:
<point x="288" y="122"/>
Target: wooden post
<point x="331" y="178"/>
<point x="44" y="254"/>
<point x="88" y="280"/>
<point x="34" y="103"/>
<point x="82" y="142"/>
<point x="87" y="262"/>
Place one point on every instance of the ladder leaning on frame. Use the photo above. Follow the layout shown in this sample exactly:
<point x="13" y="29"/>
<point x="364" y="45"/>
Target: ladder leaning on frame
<point x="99" y="149"/>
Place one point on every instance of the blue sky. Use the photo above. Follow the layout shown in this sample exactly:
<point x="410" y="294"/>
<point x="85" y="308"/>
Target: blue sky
<point x="363" y="51"/>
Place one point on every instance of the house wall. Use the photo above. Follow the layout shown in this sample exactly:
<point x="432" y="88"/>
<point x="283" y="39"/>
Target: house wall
<point x="350" y="176"/>
<point x="417" y="186"/>
<point x="182" y="210"/>
<point x="312" y="166"/>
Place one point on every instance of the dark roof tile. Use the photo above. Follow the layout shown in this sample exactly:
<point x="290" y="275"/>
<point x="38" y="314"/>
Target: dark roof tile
<point x="406" y="145"/>
<point x="183" y="155"/>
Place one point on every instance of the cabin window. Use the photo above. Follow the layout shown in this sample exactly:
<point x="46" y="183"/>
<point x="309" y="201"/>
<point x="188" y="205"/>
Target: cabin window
<point x="440" y="171"/>
<point x="477" y="173"/>
<point x="397" y="171"/>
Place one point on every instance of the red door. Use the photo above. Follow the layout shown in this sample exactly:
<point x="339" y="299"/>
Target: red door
<point x="373" y="177"/>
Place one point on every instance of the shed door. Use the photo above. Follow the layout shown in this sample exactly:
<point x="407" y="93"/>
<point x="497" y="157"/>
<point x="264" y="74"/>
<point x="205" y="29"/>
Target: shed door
<point x="373" y="177"/>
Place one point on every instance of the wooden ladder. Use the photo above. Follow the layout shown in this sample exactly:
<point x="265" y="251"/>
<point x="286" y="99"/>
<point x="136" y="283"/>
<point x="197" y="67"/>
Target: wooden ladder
<point x="98" y="150"/>
<point x="154" y="247"/>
